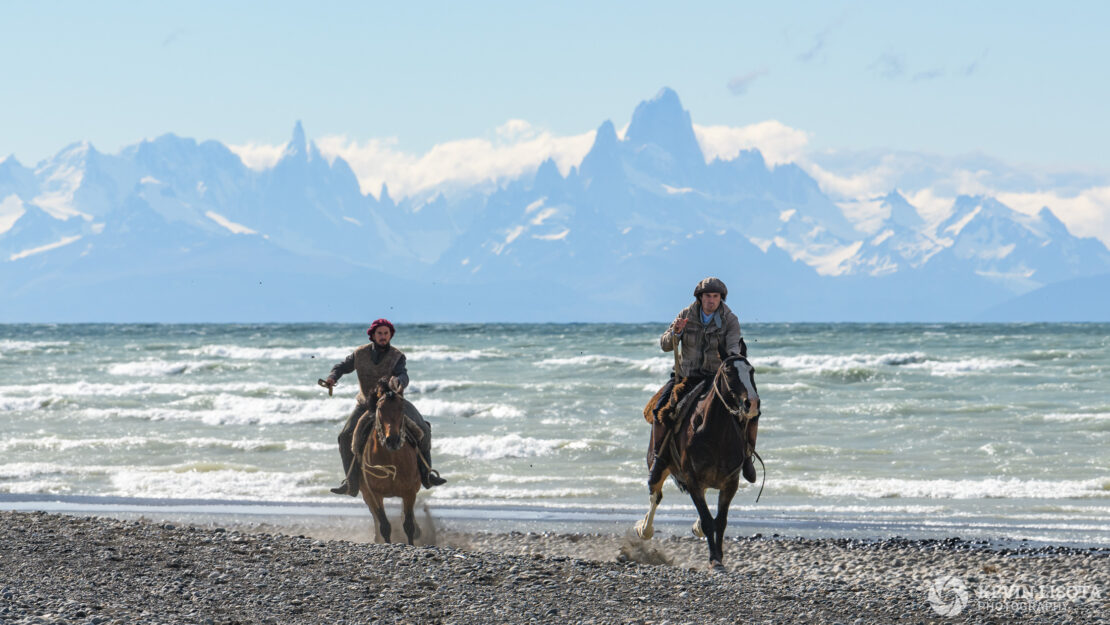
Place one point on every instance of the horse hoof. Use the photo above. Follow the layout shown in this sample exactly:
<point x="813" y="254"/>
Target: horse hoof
<point x="716" y="566"/>
<point x="696" y="529"/>
<point x="645" y="533"/>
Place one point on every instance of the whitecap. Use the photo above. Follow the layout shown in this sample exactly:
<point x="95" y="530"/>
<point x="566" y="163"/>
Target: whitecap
<point x="444" y="408"/>
<point x="988" y="488"/>
<point x="488" y="447"/>
<point x="442" y="353"/>
<point x="655" y="365"/>
<point x="237" y="352"/>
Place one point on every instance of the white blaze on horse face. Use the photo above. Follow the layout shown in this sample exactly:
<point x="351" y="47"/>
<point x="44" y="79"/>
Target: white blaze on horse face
<point x="744" y="370"/>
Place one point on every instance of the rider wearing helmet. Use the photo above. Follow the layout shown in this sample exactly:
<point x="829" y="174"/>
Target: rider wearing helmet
<point x="373" y="362"/>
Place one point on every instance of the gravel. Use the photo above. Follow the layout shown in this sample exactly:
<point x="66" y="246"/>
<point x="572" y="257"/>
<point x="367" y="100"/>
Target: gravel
<point x="68" y="569"/>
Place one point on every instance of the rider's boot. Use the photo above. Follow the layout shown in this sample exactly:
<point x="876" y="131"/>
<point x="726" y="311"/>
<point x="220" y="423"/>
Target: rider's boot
<point x="429" y="477"/>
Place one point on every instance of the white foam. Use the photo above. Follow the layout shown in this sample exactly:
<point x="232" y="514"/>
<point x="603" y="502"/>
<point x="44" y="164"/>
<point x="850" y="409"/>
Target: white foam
<point x="988" y="488"/>
<point x="444" y="353"/>
<point x="496" y="492"/>
<point x="230" y="410"/>
<point x="948" y="368"/>
<point x="237" y="352"/>
<point x="154" y="367"/>
<point x="487" y="447"/>
<point x="820" y="363"/>
<point x="56" y="443"/>
<point x="46" y="392"/>
<point x="217" y="481"/>
<point x="443" y="408"/>
<point x="655" y="365"/>
<point x="1077" y="416"/>
<point x="14" y="347"/>
<point x="435" y="386"/>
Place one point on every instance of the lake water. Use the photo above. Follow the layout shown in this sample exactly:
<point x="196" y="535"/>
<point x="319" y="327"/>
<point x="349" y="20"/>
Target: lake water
<point x="941" y="429"/>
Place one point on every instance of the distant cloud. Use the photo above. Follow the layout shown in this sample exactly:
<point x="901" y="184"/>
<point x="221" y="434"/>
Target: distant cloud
<point x="928" y="74"/>
<point x="777" y="142"/>
<point x="815" y="49"/>
<point x="973" y="67"/>
<point x="889" y="65"/>
<point x="519" y="149"/>
<point x="173" y="37"/>
<point x="821" y="38"/>
<point x="739" y="85"/>
<point x="258" y="156"/>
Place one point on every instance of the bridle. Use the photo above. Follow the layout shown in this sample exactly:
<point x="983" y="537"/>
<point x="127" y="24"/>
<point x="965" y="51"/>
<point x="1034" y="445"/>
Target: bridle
<point x="379" y="429"/>
<point x="738" y="411"/>
<point x="382" y="471"/>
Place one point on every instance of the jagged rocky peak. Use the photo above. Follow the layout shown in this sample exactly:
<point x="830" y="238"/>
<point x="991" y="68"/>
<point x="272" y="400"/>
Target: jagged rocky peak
<point x="297" y="145"/>
<point x="902" y="212"/>
<point x="662" y="121"/>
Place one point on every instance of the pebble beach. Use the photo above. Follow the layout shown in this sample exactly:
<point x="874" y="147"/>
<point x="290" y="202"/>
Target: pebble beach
<point x="58" y="568"/>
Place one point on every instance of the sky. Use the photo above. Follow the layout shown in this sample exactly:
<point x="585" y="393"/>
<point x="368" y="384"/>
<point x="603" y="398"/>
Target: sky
<point x="407" y="90"/>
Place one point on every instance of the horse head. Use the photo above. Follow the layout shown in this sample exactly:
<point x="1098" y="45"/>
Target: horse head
<point x="739" y="392"/>
<point x="389" y="424"/>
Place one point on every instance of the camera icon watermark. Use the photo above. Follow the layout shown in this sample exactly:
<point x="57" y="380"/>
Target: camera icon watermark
<point x="949" y="595"/>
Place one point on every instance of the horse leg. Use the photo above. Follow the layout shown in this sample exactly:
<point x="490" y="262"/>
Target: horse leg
<point x="644" y="528"/>
<point x="377" y="508"/>
<point x="705" y="519"/>
<point x="409" y="523"/>
<point x="724" y="498"/>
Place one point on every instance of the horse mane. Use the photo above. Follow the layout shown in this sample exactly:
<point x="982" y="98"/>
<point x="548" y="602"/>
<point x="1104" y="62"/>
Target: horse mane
<point x="382" y="391"/>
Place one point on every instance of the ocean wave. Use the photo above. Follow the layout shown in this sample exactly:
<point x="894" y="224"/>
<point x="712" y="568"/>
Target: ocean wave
<point x="211" y="480"/>
<point x="444" y="408"/>
<point x="438" y="386"/>
<point x="446" y="353"/>
<point x="230" y="410"/>
<point x="506" y="478"/>
<point x="238" y="352"/>
<point x="154" y="367"/>
<point x="821" y="363"/>
<point x="989" y="488"/>
<point x="8" y="346"/>
<point x="488" y="447"/>
<point x="496" y="492"/>
<point x="1077" y="416"/>
<point x="656" y="365"/>
<point x="56" y="443"/>
<point x="60" y="390"/>
<point x="948" y="368"/>
<point x="858" y="367"/>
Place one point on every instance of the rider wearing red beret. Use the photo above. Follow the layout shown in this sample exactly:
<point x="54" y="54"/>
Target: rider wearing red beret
<point x="373" y="362"/>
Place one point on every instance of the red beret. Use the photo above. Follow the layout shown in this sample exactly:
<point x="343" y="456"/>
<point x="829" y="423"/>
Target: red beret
<point x="379" y="323"/>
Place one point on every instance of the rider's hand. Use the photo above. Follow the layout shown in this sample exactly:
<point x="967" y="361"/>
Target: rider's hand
<point x="679" y="325"/>
<point x="330" y="382"/>
<point x="395" y="385"/>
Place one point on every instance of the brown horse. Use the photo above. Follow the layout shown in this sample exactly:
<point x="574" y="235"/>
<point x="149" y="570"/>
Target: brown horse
<point x="388" y="458"/>
<point x="708" y="451"/>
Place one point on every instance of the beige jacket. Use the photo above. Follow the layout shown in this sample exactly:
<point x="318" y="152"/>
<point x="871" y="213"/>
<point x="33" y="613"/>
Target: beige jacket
<point x="699" y="353"/>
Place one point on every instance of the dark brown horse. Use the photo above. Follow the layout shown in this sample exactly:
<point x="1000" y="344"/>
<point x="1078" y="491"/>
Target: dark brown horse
<point x="707" y="450"/>
<point x="388" y="458"/>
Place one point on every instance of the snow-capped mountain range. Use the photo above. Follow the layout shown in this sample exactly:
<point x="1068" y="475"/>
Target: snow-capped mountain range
<point x="173" y="230"/>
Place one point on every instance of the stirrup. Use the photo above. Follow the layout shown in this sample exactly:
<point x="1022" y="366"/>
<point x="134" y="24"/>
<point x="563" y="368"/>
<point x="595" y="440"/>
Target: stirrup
<point x="434" y="479"/>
